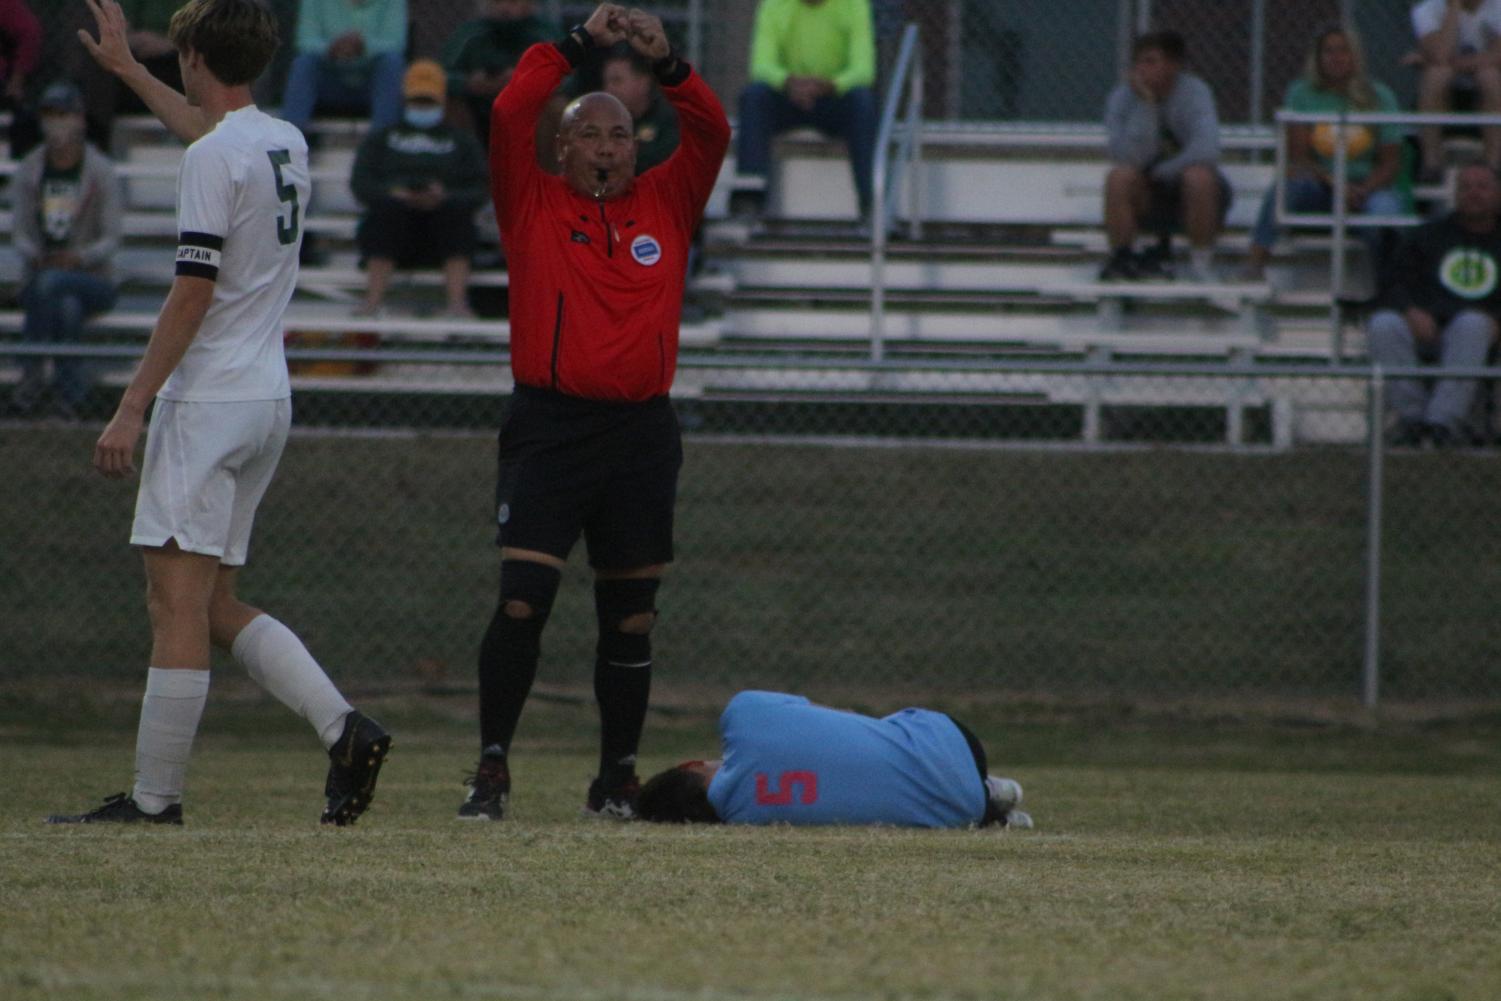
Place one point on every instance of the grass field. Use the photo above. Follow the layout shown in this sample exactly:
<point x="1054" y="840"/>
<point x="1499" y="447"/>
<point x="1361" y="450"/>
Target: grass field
<point x="1172" y="860"/>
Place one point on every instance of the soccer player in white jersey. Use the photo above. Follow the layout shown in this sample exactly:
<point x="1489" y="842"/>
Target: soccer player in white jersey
<point x="215" y="365"/>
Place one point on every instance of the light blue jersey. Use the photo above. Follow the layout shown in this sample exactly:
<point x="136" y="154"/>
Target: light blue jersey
<point x="788" y="761"/>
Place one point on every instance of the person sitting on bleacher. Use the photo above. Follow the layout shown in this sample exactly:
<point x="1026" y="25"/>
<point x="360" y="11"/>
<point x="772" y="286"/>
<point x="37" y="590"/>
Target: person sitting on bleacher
<point x="350" y="57"/>
<point x="1459" y="52"/>
<point x="421" y="181"/>
<point x="1164" y="141"/>
<point x="1441" y="305"/>
<point x="627" y="76"/>
<point x="104" y="97"/>
<point x="813" y="63"/>
<point x="481" y="55"/>
<point x="1335" y="80"/>
<point x="68" y="210"/>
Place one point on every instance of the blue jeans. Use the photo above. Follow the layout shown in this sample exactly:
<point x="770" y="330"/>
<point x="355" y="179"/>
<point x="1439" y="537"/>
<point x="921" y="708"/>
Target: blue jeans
<point x="373" y="83"/>
<point x="765" y="112"/>
<point x="1309" y="194"/>
<point x="1463" y="342"/>
<point x="56" y="304"/>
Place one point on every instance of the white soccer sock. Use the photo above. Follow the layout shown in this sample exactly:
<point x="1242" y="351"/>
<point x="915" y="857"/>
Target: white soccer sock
<point x="1202" y="258"/>
<point x="169" y="720"/>
<point x="276" y="660"/>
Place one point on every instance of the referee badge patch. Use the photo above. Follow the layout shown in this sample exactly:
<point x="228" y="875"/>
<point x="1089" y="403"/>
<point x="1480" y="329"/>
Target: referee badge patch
<point x="646" y="250"/>
<point x="503" y="514"/>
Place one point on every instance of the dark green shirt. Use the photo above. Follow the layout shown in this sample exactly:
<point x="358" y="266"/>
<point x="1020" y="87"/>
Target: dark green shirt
<point x="656" y="134"/>
<point x="492" y="46"/>
<point x="399" y="156"/>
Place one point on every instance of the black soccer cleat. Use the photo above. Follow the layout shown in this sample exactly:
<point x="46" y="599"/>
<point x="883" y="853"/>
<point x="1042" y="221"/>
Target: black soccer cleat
<point x="616" y="801"/>
<point x="120" y="809"/>
<point x="354" y="765"/>
<point x="489" y="789"/>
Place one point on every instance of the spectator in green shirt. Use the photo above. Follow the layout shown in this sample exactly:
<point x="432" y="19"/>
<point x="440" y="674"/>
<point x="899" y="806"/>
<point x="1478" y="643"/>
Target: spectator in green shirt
<point x="350" y="55"/>
<point x="1335" y="80"/>
<point x="813" y="62"/>
<point x="627" y="76"/>
<point x="481" y="54"/>
<point x="420" y="181"/>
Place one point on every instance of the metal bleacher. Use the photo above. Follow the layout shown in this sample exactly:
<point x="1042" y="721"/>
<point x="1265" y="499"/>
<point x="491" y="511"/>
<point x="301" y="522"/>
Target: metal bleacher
<point x="1005" y="267"/>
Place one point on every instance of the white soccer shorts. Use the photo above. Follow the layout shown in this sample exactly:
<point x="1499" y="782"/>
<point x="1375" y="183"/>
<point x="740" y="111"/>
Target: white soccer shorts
<point x="207" y="467"/>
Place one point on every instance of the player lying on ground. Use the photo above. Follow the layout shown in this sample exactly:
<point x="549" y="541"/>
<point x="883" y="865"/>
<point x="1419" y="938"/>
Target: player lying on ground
<point x="215" y="366"/>
<point x="789" y="761"/>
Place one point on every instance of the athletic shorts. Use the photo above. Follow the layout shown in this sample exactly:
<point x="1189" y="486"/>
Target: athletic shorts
<point x="207" y="467"/>
<point x="1165" y="204"/>
<point x="607" y="471"/>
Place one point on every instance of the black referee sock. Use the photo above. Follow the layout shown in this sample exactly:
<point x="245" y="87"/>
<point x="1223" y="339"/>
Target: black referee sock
<point x="507" y="667"/>
<point x="622" y="692"/>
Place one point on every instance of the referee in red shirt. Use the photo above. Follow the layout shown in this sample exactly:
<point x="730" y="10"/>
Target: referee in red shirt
<point x="590" y="444"/>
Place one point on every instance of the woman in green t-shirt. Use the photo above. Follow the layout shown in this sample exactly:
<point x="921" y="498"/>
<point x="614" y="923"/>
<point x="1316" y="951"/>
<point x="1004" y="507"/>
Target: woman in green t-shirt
<point x="1335" y="80"/>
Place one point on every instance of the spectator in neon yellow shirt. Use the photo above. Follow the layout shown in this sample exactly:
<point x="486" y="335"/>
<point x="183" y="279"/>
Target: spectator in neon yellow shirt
<point x="813" y="62"/>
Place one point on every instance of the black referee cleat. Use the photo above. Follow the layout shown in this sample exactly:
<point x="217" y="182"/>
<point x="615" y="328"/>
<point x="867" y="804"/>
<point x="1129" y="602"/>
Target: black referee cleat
<point x="120" y="809"/>
<point x="354" y="765"/>
<point x="616" y="801"/>
<point x="489" y="789"/>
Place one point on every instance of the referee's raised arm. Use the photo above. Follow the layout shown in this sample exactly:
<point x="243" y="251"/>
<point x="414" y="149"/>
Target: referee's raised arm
<point x="517" y="108"/>
<point x="694" y="166"/>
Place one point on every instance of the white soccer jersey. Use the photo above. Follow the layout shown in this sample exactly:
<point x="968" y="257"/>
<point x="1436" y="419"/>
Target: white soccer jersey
<point x="241" y="192"/>
<point x="1476" y="29"/>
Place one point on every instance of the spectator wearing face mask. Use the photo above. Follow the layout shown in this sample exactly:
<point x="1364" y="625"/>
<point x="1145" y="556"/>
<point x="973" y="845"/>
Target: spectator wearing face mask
<point x="420" y="181"/>
<point x="67" y="228"/>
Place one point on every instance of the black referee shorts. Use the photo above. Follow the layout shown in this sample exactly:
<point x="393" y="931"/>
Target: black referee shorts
<point x="604" y="470"/>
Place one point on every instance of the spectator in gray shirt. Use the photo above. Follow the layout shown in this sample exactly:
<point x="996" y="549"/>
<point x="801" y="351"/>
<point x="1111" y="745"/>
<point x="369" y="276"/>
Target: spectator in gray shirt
<point x="68" y="210"/>
<point x="1164" y="137"/>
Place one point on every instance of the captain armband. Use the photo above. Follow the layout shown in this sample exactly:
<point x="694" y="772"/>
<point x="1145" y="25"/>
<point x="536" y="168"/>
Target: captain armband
<point x="198" y="255"/>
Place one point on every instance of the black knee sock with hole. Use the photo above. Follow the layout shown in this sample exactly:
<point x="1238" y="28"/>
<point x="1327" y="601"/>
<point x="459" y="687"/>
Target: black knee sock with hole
<point x="622" y="686"/>
<point x="507" y="667"/>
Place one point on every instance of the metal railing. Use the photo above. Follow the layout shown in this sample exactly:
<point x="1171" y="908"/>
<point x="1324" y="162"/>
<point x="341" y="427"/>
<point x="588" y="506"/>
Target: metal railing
<point x="1367" y="686"/>
<point x="1339" y="220"/>
<point x="887" y="177"/>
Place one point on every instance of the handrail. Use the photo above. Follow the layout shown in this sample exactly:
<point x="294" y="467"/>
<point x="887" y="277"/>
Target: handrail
<point x="906" y="77"/>
<point x="1339" y="218"/>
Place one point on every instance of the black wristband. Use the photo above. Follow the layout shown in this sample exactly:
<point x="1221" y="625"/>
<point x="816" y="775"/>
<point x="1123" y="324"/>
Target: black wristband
<point x="577" y="44"/>
<point x="671" y="69"/>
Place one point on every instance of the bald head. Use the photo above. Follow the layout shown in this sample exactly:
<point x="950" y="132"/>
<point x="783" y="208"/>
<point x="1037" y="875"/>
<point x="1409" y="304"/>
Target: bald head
<point x="598" y="106"/>
<point x="597" y="146"/>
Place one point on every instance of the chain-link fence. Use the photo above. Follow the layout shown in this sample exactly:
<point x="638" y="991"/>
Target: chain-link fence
<point x="891" y="533"/>
<point x="986" y="61"/>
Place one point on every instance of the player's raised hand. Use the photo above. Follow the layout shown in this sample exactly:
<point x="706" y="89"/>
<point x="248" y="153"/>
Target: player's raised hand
<point x="607" y="25"/>
<point x="647" y="35"/>
<point x="114" y="452"/>
<point x="112" y="51"/>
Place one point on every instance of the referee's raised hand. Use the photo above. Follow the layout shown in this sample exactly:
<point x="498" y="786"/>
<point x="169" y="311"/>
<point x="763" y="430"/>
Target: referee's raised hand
<point x="647" y="36"/>
<point x="610" y="23"/>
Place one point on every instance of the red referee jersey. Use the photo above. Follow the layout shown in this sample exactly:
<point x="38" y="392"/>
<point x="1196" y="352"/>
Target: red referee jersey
<point x="597" y="287"/>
